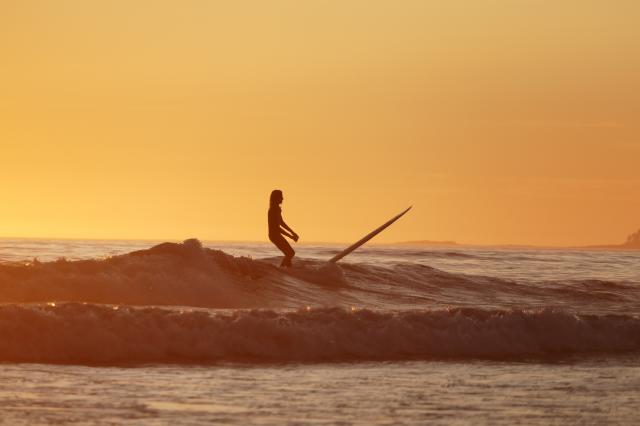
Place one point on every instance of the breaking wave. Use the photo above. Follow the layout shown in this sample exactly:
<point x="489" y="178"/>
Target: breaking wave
<point x="189" y="275"/>
<point x="76" y="333"/>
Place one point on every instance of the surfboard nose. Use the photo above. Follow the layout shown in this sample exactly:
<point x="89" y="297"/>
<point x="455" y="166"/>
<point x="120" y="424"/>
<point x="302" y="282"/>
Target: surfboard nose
<point x="367" y="237"/>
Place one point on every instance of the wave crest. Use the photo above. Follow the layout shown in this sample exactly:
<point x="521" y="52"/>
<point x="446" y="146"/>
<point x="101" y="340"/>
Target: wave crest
<point x="99" y="334"/>
<point x="166" y="274"/>
<point x="189" y="275"/>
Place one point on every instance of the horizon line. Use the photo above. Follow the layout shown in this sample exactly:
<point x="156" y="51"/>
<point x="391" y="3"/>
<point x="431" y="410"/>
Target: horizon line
<point x="427" y="243"/>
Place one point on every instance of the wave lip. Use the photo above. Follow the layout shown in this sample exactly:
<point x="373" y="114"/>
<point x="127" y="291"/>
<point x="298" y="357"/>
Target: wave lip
<point x="74" y="333"/>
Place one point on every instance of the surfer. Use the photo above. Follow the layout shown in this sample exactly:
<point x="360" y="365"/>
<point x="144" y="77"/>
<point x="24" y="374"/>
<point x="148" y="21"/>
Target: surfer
<point x="276" y="231"/>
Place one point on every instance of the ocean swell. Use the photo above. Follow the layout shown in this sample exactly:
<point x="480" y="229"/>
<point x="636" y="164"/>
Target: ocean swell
<point x="74" y="333"/>
<point x="167" y="274"/>
<point x="188" y="274"/>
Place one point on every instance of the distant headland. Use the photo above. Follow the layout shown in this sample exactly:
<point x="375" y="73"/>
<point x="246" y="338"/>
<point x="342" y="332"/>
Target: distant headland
<point x="427" y="243"/>
<point x="632" y="243"/>
<point x="633" y="240"/>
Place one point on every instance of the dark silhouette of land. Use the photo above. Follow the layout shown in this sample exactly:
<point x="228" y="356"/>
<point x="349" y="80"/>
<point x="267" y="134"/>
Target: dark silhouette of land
<point x="428" y="243"/>
<point x="633" y="240"/>
<point x="632" y="243"/>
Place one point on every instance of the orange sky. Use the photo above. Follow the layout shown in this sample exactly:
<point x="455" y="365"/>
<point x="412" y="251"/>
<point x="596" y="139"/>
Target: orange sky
<point x="500" y="121"/>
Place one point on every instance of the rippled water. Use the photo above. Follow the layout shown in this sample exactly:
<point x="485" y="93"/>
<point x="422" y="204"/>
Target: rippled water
<point x="596" y="392"/>
<point x="395" y="335"/>
<point x="510" y="263"/>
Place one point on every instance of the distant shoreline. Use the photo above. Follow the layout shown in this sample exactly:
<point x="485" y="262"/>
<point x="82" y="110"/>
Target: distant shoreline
<point x="427" y="243"/>
<point x="632" y="243"/>
<point x="453" y="244"/>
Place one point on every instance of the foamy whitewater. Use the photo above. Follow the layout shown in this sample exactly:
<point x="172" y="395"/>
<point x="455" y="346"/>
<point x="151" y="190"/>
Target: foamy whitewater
<point x="95" y="332"/>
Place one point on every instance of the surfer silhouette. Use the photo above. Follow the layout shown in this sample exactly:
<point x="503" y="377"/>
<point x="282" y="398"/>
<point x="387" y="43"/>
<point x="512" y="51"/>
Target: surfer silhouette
<point x="276" y="231"/>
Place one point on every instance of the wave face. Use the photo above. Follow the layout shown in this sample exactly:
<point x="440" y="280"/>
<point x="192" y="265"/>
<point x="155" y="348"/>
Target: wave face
<point x="111" y="335"/>
<point x="189" y="275"/>
<point x="167" y="274"/>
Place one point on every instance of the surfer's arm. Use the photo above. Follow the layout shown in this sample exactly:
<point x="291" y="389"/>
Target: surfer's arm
<point x="292" y="233"/>
<point x="286" y="234"/>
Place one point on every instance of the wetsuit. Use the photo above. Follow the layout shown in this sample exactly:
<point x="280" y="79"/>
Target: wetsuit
<point x="275" y="234"/>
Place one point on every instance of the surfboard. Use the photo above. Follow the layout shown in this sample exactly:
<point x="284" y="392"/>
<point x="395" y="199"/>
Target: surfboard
<point x="367" y="237"/>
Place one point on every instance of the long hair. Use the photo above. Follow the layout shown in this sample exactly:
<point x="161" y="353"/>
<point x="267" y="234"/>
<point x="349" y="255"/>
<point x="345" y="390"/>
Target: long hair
<point x="276" y="194"/>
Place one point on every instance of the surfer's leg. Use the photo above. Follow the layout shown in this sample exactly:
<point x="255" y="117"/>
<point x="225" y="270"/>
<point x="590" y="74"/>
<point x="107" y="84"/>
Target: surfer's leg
<point x="286" y="261"/>
<point x="285" y="248"/>
<point x="288" y="253"/>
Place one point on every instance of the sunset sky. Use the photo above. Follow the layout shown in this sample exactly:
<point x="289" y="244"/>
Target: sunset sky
<point x="513" y="121"/>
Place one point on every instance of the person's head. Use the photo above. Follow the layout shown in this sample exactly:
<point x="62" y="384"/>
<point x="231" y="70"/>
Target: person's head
<point x="276" y="197"/>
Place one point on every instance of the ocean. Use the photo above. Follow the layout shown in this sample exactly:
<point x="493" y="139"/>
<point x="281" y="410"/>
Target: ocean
<point x="139" y="332"/>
